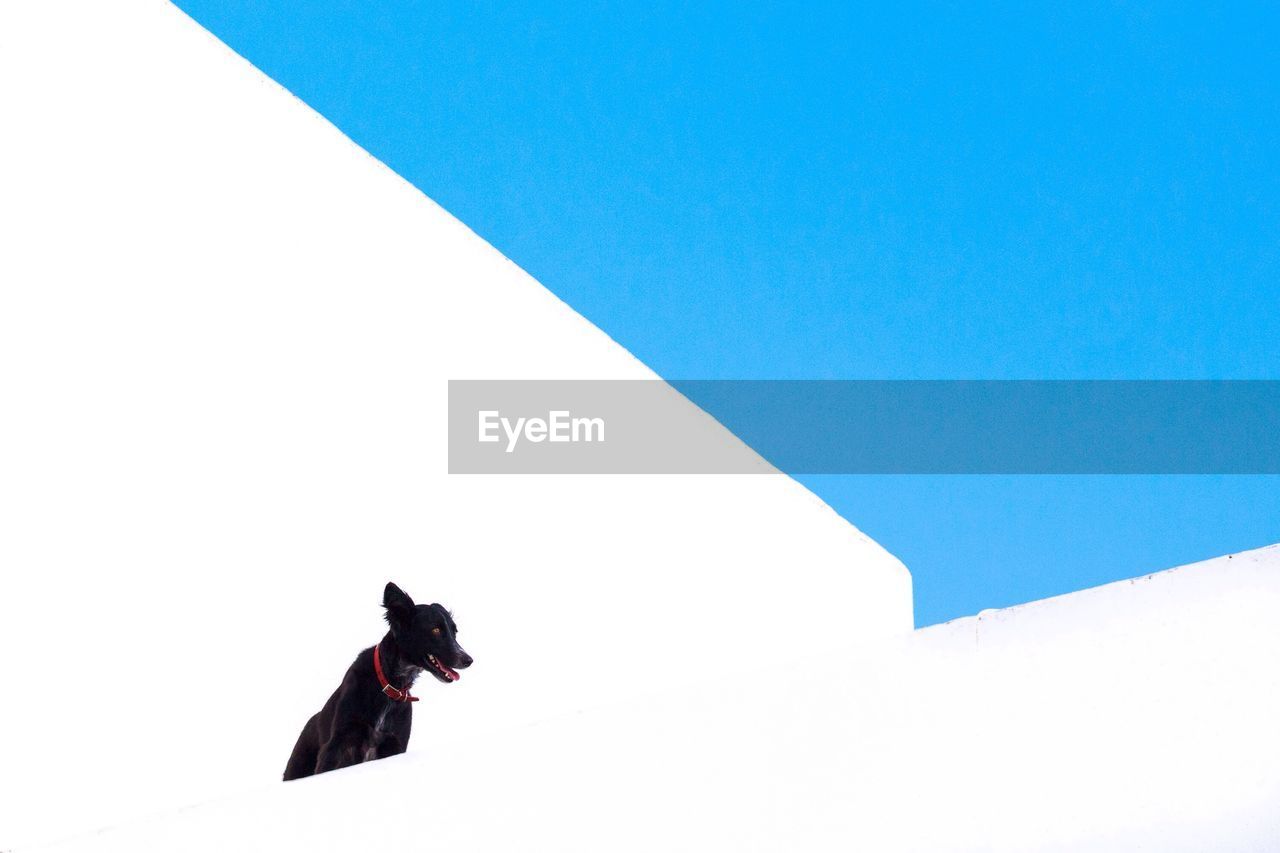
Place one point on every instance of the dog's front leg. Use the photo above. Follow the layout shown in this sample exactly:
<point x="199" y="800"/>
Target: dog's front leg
<point x="344" y="749"/>
<point x="392" y="746"/>
<point x="396" y="741"/>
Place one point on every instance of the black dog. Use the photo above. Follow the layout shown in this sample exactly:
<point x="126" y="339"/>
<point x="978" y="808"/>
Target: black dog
<point x="369" y="715"/>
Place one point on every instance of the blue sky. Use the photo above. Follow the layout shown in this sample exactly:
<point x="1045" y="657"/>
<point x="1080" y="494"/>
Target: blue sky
<point x="903" y="191"/>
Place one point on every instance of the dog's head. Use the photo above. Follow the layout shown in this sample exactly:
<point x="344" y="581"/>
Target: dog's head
<point x="426" y="634"/>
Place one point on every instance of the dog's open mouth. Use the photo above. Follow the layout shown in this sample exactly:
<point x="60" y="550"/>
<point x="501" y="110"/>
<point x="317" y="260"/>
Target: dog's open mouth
<point x="439" y="670"/>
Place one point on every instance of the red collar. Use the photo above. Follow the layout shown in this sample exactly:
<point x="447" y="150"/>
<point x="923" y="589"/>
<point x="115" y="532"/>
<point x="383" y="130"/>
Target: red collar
<point x="394" y="694"/>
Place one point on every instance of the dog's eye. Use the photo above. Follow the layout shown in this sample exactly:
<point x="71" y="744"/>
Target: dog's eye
<point x="435" y="631"/>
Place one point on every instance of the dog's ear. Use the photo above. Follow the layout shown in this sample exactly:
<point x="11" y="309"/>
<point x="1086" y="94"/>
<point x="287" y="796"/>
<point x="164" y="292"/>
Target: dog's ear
<point x="399" y="606"/>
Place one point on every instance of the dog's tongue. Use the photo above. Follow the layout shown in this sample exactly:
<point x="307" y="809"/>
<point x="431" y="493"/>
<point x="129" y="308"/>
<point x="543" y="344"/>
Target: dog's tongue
<point x="443" y="668"/>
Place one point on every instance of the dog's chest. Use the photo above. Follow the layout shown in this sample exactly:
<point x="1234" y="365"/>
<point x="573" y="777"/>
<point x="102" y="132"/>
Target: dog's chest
<point x="379" y="732"/>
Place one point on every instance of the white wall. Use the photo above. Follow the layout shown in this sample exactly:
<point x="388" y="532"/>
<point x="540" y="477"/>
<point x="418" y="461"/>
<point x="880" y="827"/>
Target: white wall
<point x="225" y="334"/>
<point x="1136" y="716"/>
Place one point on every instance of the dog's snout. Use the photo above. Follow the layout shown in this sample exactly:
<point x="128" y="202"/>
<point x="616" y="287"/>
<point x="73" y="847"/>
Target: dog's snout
<point x="464" y="659"/>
